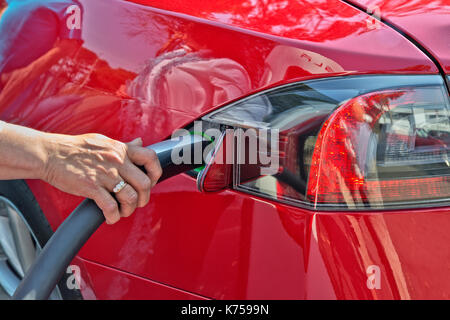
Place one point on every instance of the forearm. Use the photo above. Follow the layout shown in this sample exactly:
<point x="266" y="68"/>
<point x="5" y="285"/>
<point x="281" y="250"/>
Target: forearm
<point x="22" y="152"/>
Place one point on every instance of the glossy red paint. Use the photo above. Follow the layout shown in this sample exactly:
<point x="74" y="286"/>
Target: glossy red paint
<point x="426" y="21"/>
<point x="142" y="71"/>
<point x="104" y="283"/>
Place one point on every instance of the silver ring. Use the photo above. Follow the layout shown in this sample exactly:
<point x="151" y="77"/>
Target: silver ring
<point x="119" y="186"/>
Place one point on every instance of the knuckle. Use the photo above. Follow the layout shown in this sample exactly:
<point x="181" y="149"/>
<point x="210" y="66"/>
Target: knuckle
<point x="111" y="207"/>
<point x="145" y="184"/>
<point x="121" y="148"/>
<point x="116" y="152"/>
<point x="132" y="198"/>
<point x="152" y="154"/>
<point x="112" y="173"/>
<point x="93" y="193"/>
<point x="92" y="188"/>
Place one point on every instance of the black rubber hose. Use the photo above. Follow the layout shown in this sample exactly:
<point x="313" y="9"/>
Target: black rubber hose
<point x="72" y="234"/>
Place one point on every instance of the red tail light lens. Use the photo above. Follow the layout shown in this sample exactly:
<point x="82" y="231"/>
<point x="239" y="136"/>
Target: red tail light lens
<point x="383" y="147"/>
<point x="342" y="143"/>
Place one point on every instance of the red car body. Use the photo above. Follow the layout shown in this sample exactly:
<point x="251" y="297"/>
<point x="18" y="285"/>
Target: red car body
<point x="230" y="245"/>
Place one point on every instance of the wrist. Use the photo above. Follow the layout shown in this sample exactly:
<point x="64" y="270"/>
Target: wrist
<point x="46" y="150"/>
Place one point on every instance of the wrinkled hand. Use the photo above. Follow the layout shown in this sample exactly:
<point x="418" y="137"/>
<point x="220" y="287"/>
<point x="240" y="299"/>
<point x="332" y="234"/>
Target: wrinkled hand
<point x="91" y="165"/>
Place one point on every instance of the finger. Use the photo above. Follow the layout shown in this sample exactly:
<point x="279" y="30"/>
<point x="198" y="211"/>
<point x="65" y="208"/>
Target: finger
<point x="108" y="205"/>
<point x="138" y="180"/>
<point x="147" y="158"/>
<point x="128" y="200"/>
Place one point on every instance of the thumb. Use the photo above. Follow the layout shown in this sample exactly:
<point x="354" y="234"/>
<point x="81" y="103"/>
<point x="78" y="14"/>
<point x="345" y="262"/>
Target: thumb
<point x="136" y="142"/>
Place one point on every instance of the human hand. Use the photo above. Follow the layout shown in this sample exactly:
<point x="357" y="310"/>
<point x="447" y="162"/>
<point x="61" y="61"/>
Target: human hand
<point x="91" y="165"/>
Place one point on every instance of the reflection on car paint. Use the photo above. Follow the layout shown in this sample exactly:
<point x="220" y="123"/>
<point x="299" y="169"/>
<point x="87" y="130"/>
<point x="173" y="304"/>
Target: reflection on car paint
<point x="224" y="245"/>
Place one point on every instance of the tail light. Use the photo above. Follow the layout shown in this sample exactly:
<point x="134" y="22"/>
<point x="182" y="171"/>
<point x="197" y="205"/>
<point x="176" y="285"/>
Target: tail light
<point x="344" y="142"/>
<point x="383" y="147"/>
